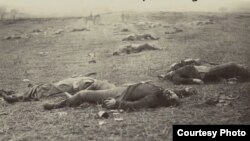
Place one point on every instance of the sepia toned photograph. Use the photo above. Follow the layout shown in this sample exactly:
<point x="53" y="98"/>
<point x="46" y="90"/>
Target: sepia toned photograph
<point x="121" y="70"/>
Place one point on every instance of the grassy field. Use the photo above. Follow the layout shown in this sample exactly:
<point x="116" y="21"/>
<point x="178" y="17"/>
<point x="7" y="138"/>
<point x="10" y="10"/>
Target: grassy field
<point x="48" y="57"/>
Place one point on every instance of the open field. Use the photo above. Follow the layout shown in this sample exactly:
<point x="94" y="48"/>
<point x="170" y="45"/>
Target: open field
<point x="44" y="56"/>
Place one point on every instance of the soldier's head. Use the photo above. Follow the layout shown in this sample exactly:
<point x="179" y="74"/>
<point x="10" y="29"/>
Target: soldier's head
<point x="171" y="97"/>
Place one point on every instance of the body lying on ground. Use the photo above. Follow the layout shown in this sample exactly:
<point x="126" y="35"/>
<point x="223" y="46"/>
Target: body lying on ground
<point x="194" y="71"/>
<point x="135" y="48"/>
<point x="140" y="95"/>
<point x="140" y="37"/>
<point x="66" y="87"/>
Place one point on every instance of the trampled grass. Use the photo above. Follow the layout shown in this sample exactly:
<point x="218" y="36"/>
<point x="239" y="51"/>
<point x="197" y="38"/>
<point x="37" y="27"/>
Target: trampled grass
<point x="48" y="57"/>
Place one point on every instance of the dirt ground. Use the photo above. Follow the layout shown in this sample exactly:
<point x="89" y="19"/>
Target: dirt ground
<point x="47" y="51"/>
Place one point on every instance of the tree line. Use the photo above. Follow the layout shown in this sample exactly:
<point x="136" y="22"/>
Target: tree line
<point x="3" y="12"/>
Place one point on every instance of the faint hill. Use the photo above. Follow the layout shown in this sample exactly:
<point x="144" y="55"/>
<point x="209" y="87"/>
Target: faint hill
<point x="243" y="7"/>
<point x="20" y="15"/>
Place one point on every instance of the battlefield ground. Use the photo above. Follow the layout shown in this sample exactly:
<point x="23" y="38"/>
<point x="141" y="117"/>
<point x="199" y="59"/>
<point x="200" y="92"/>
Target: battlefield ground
<point x="45" y="50"/>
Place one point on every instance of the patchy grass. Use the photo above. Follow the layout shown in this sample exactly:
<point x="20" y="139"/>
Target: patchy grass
<point x="66" y="54"/>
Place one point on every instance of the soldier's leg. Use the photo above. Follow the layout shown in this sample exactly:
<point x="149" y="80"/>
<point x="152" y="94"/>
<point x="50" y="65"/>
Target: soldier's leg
<point x="228" y="70"/>
<point x="89" y="96"/>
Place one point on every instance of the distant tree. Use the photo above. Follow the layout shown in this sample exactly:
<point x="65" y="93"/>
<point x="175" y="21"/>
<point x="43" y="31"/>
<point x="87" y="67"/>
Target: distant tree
<point x="2" y="12"/>
<point x="223" y="9"/>
<point x="13" y="13"/>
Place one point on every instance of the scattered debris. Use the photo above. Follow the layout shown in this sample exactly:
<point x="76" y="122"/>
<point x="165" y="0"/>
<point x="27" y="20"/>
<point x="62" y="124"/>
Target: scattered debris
<point x="166" y="26"/>
<point x="13" y="37"/>
<point x="16" y="37"/>
<point x="43" y="53"/>
<point x="204" y="22"/>
<point x="59" y="31"/>
<point x="3" y="113"/>
<point x="90" y="74"/>
<point x="36" y="31"/>
<point x="115" y="111"/>
<point x="92" y="55"/>
<point x="141" y="23"/>
<point x="103" y="114"/>
<point x="26" y="80"/>
<point x="75" y="75"/>
<point x="232" y="81"/>
<point x="221" y="100"/>
<point x="124" y="30"/>
<point x="92" y="61"/>
<point x="211" y="101"/>
<point x="118" y="119"/>
<point x="92" y="58"/>
<point x="154" y="25"/>
<point x="148" y="24"/>
<point x="135" y="49"/>
<point x="62" y="114"/>
<point x="117" y="24"/>
<point x="102" y="123"/>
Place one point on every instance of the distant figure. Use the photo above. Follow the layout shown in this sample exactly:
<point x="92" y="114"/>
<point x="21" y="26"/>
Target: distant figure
<point x="94" y="18"/>
<point x="124" y="17"/>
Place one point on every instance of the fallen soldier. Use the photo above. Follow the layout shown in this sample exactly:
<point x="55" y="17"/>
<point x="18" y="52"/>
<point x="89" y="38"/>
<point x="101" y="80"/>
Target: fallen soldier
<point x="140" y="95"/>
<point x="140" y="37"/>
<point x="173" y="30"/>
<point x="65" y="87"/>
<point x="79" y="29"/>
<point x="194" y="71"/>
<point x="135" y="49"/>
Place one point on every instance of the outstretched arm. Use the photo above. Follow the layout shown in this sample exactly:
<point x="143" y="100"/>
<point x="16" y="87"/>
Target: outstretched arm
<point x="149" y="101"/>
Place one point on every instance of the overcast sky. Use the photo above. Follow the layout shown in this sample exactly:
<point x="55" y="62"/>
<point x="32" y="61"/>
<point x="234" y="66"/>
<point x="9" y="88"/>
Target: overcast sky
<point x="84" y="7"/>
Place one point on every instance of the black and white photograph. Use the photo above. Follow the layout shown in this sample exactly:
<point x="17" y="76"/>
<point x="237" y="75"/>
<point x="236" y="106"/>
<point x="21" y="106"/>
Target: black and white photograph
<point x="122" y="70"/>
